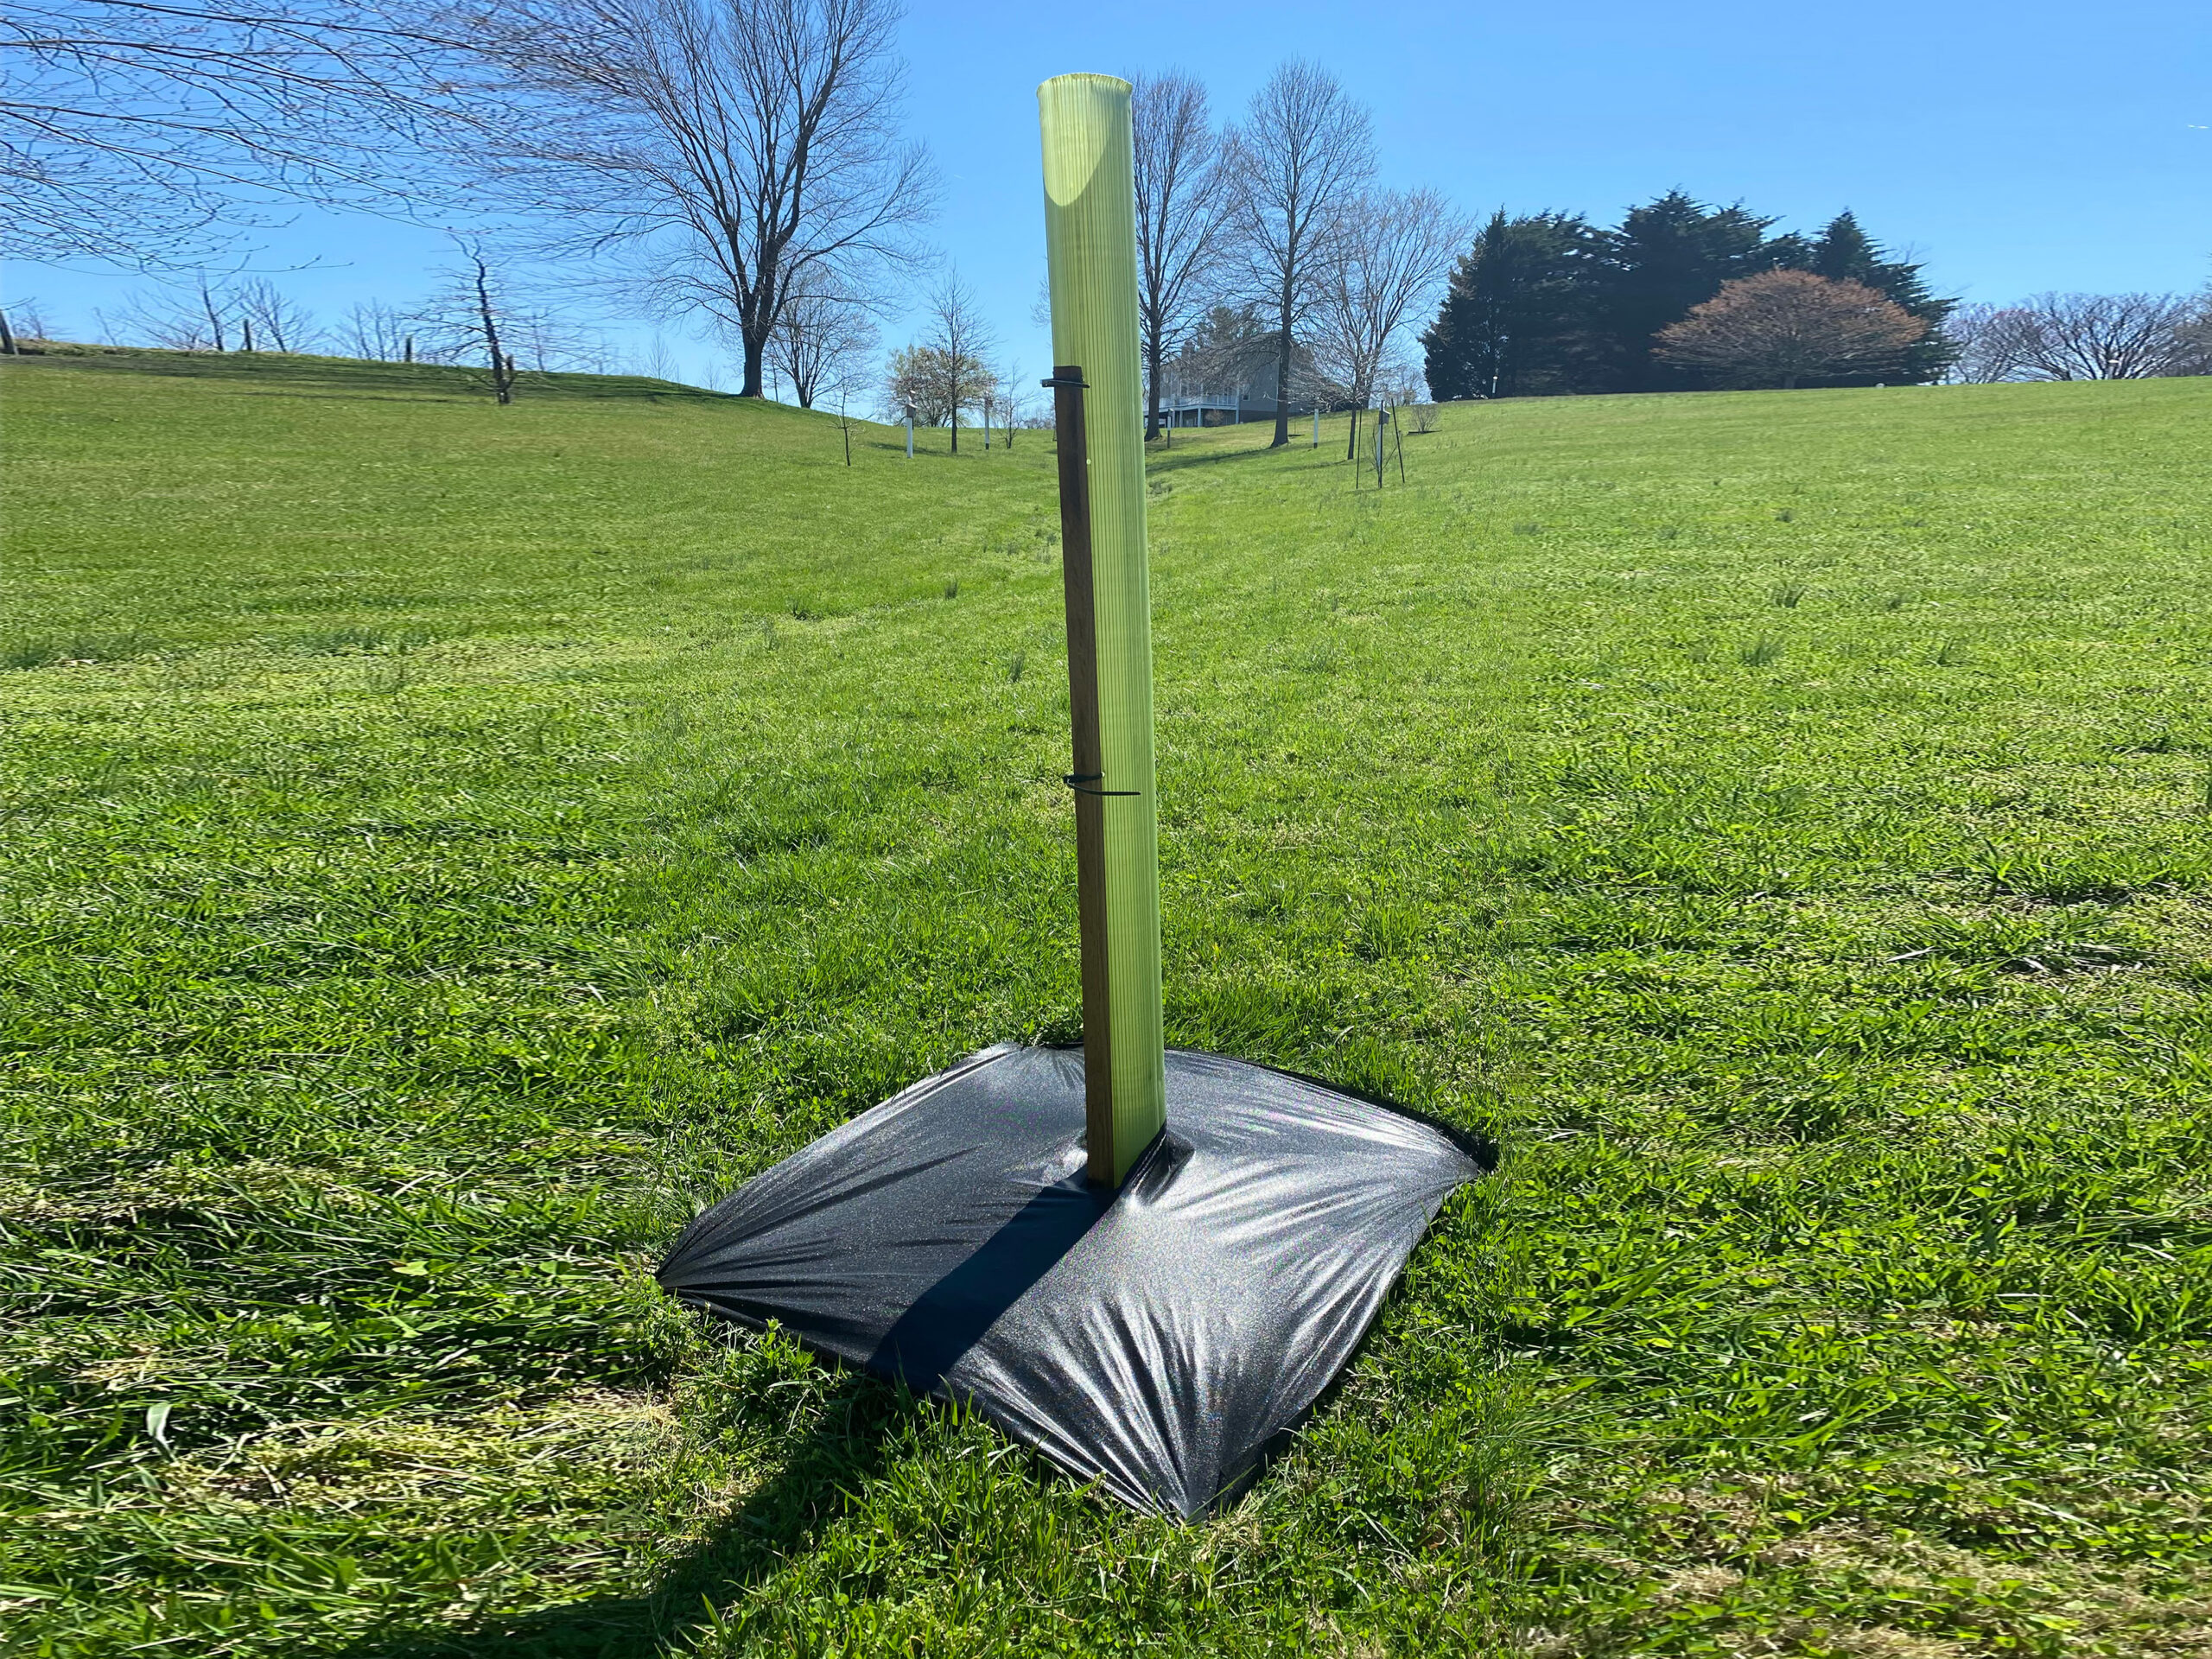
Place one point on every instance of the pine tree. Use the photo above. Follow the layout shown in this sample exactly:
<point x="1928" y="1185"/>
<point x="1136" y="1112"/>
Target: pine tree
<point x="1665" y="257"/>
<point x="1844" y="252"/>
<point x="1517" y="321"/>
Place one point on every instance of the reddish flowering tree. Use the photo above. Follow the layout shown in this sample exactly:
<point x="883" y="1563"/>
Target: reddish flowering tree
<point x="1779" y="327"/>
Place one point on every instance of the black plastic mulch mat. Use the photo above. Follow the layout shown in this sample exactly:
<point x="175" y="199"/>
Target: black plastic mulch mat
<point x="1157" y="1339"/>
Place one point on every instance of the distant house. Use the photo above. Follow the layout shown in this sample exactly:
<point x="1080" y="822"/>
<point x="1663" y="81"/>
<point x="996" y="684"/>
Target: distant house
<point x="1226" y="381"/>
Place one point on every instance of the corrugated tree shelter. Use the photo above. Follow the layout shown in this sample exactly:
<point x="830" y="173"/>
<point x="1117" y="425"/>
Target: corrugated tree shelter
<point x="1090" y="243"/>
<point x="1147" y="1265"/>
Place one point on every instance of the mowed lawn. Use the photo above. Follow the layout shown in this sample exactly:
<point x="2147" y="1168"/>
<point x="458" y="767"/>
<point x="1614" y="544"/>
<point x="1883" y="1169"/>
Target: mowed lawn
<point x="444" y="846"/>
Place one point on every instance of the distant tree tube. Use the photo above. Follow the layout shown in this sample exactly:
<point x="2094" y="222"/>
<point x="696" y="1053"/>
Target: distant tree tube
<point x="1091" y="244"/>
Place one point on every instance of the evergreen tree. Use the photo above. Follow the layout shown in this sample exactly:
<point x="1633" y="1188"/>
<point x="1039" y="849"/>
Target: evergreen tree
<point x="1844" y="252"/>
<point x="1665" y="257"/>
<point x="1545" y="303"/>
<point x="1517" y="320"/>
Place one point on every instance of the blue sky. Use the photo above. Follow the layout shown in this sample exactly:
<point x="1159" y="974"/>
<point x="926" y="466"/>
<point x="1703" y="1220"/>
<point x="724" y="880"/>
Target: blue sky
<point x="2014" y="147"/>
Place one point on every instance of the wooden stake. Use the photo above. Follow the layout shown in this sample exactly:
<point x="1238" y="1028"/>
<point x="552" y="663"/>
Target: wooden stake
<point x="1090" y="767"/>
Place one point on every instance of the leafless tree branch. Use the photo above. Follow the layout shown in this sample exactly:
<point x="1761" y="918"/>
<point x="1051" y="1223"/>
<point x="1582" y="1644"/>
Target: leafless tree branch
<point x="144" y="134"/>
<point x="1181" y="190"/>
<point x="819" y="341"/>
<point x="2104" y="336"/>
<point x="1395" y="250"/>
<point x="738" y="149"/>
<point x="1299" y="158"/>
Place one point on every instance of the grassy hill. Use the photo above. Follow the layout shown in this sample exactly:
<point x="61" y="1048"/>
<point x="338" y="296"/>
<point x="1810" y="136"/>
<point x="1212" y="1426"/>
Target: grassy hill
<point x="446" y="845"/>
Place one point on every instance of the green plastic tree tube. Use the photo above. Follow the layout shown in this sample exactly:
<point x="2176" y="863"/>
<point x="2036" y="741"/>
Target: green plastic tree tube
<point x="1091" y="241"/>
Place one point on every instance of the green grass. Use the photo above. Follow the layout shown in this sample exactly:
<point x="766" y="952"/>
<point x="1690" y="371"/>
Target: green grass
<point x="447" y="845"/>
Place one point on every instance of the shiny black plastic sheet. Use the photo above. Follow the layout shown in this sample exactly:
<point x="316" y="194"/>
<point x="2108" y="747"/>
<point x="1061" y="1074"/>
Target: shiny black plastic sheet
<point x="1156" y="1340"/>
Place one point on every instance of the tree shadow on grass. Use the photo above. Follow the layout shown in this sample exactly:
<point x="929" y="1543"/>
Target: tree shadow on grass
<point x="782" y="1518"/>
<point x="1167" y="459"/>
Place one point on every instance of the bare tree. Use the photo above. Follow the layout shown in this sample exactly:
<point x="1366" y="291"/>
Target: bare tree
<point x="279" y="323"/>
<point x="2106" y="336"/>
<point x="2193" y="339"/>
<point x="548" y="340"/>
<point x="375" y="331"/>
<point x="1988" y="342"/>
<point x="843" y="377"/>
<point x="738" y="148"/>
<point x="23" y="323"/>
<point x="1301" y="155"/>
<point x="1396" y="249"/>
<point x="820" y="336"/>
<point x="135" y="131"/>
<point x="470" y="314"/>
<point x="218" y="306"/>
<point x="1181" y="191"/>
<point x="1780" y="327"/>
<point x="196" y="320"/>
<point x="961" y="338"/>
<point x="1011" y="400"/>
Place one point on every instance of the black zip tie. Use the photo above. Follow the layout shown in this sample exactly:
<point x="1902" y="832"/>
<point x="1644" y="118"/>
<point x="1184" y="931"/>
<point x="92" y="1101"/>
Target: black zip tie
<point x="1075" y="780"/>
<point x="1078" y="383"/>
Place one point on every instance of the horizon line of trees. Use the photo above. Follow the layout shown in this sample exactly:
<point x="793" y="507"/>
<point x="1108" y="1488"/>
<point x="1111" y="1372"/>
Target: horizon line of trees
<point x="738" y="165"/>
<point x="1682" y="295"/>
<point x="734" y="164"/>
<point x="473" y="316"/>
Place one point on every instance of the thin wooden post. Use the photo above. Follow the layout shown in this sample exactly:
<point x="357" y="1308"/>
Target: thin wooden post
<point x="1073" y="443"/>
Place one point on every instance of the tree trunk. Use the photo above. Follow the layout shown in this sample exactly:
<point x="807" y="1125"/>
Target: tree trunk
<point x="503" y="367"/>
<point x="1281" y="439"/>
<point x="7" y="336"/>
<point x="755" y="351"/>
<point x="1152" y="396"/>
